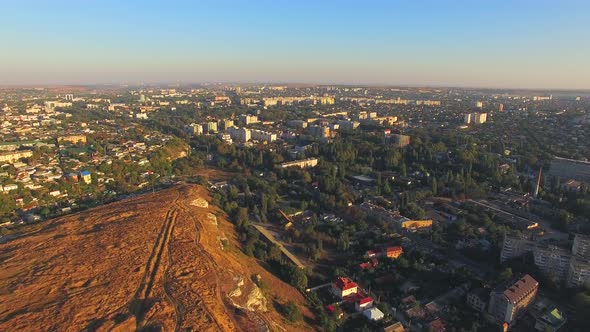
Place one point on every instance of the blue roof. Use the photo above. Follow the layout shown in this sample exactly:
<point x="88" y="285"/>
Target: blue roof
<point x="84" y="173"/>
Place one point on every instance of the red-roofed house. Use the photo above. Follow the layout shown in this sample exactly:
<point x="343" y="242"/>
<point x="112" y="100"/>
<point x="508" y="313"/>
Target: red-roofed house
<point x="371" y="254"/>
<point x="365" y="266"/>
<point x="437" y="325"/>
<point x="394" y="252"/>
<point x="343" y="287"/>
<point x="364" y="303"/>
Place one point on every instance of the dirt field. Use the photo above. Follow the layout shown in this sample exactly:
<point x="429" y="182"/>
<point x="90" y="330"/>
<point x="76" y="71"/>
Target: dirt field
<point x="167" y="261"/>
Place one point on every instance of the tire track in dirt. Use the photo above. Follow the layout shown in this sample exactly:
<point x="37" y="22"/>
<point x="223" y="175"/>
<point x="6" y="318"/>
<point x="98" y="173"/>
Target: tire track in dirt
<point x="259" y="320"/>
<point x="138" y="304"/>
<point x="209" y="268"/>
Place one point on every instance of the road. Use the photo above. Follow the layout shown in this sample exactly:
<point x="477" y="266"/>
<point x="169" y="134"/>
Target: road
<point x="284" y="250"/>
<point x="549" y="232"/>
<point x="457" y="259"/>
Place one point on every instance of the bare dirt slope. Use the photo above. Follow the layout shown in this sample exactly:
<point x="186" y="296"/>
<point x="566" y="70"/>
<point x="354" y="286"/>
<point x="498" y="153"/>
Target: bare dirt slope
<point x="167" y="261"/>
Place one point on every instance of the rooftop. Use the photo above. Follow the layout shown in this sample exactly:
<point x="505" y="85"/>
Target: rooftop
<point x="520" y="288"/>
<point x="344" y="283"/>
<point x="553" y="317"/>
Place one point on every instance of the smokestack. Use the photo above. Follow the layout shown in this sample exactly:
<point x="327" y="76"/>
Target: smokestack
<point x="538" y="182"/>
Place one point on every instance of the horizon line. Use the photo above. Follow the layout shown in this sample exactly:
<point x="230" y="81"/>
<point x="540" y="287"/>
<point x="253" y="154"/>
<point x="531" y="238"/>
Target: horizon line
<point x="340" y="84"/>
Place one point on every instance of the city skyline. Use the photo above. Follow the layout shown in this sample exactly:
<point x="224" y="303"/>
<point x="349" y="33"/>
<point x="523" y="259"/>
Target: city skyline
<point x="528" y="45"/>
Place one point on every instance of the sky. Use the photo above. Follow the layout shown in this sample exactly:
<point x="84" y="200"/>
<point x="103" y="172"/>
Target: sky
<point x="470" y="43"/>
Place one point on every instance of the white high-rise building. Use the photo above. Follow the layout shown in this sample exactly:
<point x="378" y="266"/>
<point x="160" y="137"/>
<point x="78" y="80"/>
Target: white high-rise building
<point x="467" y="118"/>
<point x="480" y="118"/>
<point x="241" y="135"/>
<point x="581" y="246"/>
<point x="579" y="272"/>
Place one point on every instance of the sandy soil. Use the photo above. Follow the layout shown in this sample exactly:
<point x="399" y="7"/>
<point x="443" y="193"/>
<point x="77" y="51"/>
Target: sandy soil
<point x="152" y="263"/>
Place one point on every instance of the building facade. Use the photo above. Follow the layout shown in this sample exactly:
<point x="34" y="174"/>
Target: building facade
<point x="509" y="303"/>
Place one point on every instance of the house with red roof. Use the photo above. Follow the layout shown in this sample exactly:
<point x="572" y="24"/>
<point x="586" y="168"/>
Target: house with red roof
<point x="363" y="303"/>
<point x="437" y="325"/>
<point x="393" y="252"/>
<point x="371" y="254"/>
<point x="370" y="264"/>
<point x="343" y="287"/>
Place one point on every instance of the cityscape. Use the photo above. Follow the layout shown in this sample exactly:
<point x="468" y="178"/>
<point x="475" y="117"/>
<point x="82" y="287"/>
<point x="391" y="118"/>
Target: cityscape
<point x="196" y="202"/>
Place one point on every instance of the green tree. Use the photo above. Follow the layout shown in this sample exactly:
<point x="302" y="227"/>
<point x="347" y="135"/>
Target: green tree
<point x="291" y="312"/>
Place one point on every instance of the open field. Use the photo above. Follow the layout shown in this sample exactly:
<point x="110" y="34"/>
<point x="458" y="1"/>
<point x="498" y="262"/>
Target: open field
<point x="159" y="262"/>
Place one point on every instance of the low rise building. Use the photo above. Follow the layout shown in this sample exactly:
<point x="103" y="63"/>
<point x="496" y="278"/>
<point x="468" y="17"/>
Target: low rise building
<point x="343" y="287"/>
<point x="399" y="140"/>
<point x="13" y="156"/>
<point x="72" y="139"/>
<point x="478" y="299"/>
<point x="415" y="225"/>
<point x="393" y="252"/>
<point x="551" y="320"/>
<point x="305" y="163"/>
<point x="86" y="177"/>
<point x="373" y="314"/>
<point x="363" y="303"/>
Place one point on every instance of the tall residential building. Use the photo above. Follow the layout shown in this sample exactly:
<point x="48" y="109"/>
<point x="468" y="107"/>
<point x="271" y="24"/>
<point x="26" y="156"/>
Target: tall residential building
<point x="195" y="129"/>
<point x="211" y="127"/>
<point x="263" y="136"/>
<point x="241" y="135"/>
<point x="579" y="267"/>
<point x="247" y="119"/>
<point x="480" y="118"/>
<point x="553" y="261"/>
<point x="319" y="131"/>
<point x="516" y="246"/>
<point x="476" y="118"/>
<point x="501" y="108"/>
<point x="227" y="123"/>
<point x="297" y="124"/>
<point x="327" y="100"/>
<point x="581" y="247"/>
<point x="479" y="104"/>
<point x="508" y="303"/>
<point x="467" y="118"/>
<point x="579" y="272"/>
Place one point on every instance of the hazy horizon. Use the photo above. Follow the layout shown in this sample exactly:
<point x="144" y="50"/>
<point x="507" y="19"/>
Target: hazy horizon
<point x="522" y="45"/>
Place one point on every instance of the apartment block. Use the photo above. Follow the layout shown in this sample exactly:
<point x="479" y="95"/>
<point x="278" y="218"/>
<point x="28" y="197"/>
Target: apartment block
<point x="509" y="302"/>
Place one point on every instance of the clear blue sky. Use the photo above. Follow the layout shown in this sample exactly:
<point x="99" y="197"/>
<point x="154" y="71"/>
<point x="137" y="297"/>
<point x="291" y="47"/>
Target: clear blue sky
<point x="481" y="43"/>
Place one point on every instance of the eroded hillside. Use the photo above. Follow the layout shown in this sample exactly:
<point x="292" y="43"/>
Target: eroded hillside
<point x="166" y="261"/>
